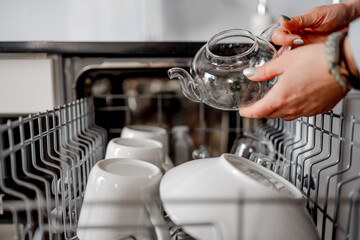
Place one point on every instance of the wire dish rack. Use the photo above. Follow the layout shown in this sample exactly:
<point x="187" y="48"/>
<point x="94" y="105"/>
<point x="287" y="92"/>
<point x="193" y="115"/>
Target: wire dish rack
<point x="46" y="158"/>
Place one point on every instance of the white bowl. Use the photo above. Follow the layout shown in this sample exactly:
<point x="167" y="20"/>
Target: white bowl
<point x="113" y="198"/>
<point x="148" y="132"/>
<point x="229" y="197"/>
<point x="144" y="149"/>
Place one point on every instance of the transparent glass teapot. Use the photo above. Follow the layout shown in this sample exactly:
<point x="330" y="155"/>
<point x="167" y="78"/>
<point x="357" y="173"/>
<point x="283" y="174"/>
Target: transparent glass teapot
<point x="216" y="75"/>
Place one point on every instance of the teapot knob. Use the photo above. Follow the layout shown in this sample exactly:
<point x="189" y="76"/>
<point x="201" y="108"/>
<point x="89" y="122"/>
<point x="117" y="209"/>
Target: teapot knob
<point x="188" y="86"/>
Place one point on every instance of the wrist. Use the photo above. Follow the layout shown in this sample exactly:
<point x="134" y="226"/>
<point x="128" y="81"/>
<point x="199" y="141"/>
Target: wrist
<point x="334" y="57"/>
<point x="341" y="62"/>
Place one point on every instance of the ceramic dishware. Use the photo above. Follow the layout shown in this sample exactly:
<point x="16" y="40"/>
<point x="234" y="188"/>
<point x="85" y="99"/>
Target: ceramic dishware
<point x="229" y="197"/>
<point x="144" y="149"/>
<point x="150" y="132"/>
<point x="112" y="206"/>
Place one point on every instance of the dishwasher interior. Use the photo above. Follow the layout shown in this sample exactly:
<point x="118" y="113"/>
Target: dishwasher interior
<point x="46" y="158"/>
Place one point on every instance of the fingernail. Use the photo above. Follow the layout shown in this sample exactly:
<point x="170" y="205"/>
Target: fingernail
<point x="286" y="18"/>
<point x="249" y="71"/>
<point x="298" y="41"/>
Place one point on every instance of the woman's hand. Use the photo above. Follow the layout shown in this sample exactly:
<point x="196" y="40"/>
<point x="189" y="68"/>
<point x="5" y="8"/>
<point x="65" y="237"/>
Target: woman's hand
<point x="316" y="24"/>
<point x="305" y="87"/>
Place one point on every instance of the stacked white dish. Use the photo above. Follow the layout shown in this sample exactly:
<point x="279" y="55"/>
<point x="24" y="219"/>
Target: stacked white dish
<point x="229" y="197"/>
<point x="113" y="206"/>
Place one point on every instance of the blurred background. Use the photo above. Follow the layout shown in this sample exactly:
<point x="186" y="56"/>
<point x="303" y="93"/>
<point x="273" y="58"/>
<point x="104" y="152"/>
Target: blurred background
<point x="111" y="21"/>
<point x="133" y="20"/>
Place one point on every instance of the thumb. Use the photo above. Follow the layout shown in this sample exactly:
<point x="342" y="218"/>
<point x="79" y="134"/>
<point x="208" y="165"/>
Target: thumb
<point x="284" y="37"/>
<point x="264" y="72"/>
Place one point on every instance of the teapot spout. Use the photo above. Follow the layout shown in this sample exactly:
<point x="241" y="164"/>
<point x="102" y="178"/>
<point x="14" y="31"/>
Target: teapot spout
<point x="188" y="86"/>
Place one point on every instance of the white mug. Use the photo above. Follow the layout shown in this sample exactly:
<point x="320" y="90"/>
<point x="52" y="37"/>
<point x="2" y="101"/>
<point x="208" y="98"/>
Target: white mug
<point x="144" y="149"/>
<point x="112" y="206"/>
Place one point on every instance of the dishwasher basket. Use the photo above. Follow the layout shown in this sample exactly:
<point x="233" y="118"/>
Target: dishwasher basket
<point x="45" y="160"/>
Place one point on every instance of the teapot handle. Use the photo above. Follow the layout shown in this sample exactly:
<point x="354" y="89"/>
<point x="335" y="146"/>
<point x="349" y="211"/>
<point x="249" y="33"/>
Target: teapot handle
<point x="269" y="31"/>
<point x="187" y="83"/>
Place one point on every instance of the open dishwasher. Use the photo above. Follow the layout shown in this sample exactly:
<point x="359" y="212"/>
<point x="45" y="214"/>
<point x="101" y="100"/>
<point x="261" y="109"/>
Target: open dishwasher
<point x="46" y="158"/>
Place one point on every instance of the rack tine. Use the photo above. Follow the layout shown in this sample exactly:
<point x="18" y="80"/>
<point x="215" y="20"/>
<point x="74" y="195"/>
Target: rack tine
<point x="354" y="215"/>
<point x="311" y="158"/>
<point x="90" y="142"/>
<point x="270" y="124"/>
<point x="340" y="184"/>
<point x="295" y="146"/>
<point x="55" y="168"/>
<point x="328" y="166"/>
<point x="80" y="143"/>
<point x="71" y="160"/>
<point x="276" y="129"/>
<point x="71" y="147"/>
<point x="280" y="149"/>
<point x="95" y="135"/>
<point x="59" y="212"/>
<point x="89" y="123"/>
<point x="9" y="189"/>
<point x="19" y="231"/>
<point x="281" y="136"/>
<point x="77" y="168"/>
<point x="316" y="164"/>
<point x="293" y="143"/>
<point x="39" y="196"/>
<point x="338" y="201"/>
<point x="305" y="149"/>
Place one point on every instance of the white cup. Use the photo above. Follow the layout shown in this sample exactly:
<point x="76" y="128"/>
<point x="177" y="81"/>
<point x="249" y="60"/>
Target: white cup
<point x="148" y="132"/>
<point x="112" y="206"/>
<point x="144" y="149"/>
